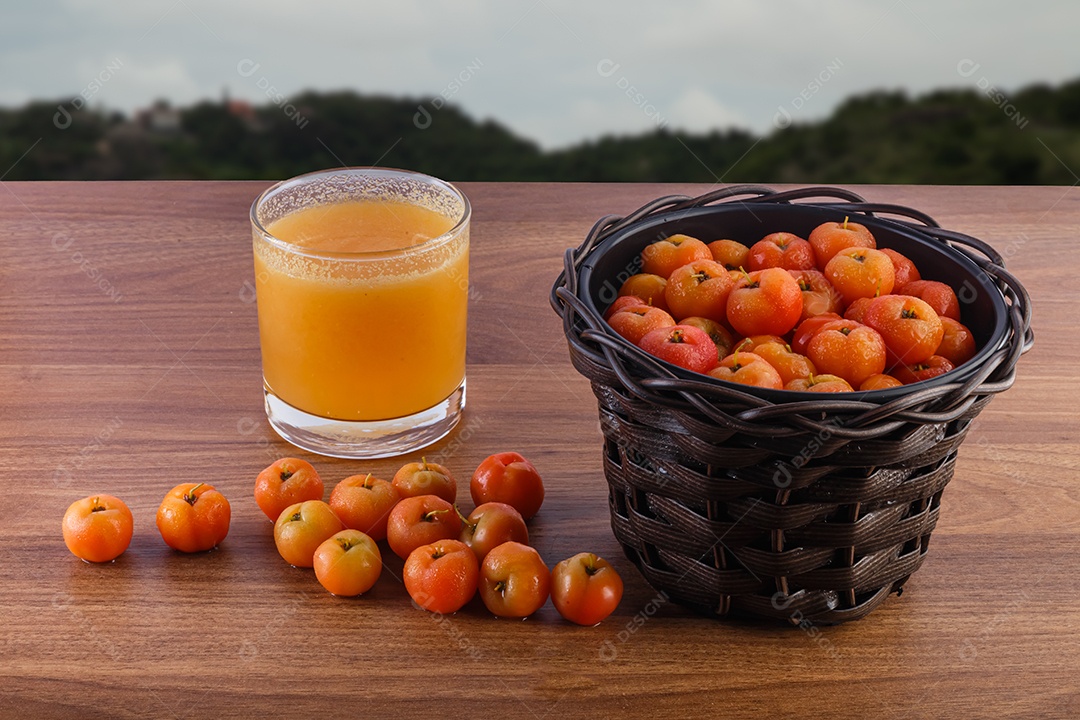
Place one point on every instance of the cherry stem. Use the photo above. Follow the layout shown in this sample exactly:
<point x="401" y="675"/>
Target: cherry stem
<point x="465" y="520"/>
<point x="431" y="515"/>
<point x="190" y="497"/>
<point x="735" y="364"/>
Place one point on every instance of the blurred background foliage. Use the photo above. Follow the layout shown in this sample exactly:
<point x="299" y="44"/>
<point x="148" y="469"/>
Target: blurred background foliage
<point x="944" y="137"/>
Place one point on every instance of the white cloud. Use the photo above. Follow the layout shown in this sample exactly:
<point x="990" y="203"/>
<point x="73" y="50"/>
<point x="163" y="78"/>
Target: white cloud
<point x="141" y="81"/>
<point x="697" y="110"/>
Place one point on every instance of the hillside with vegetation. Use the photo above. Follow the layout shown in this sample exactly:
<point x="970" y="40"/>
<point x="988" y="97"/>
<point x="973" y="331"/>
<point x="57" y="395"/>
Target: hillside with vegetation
<point x="944" y="137"/>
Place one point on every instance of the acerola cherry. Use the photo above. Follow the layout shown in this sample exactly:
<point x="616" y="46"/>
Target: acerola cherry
<point x="880" y="382"/>
<point x="904" y="269"/>
<point x="819" y="296"/>
<point x="747" y="368"/>
<point x="789" y="364"/>
<point x="957" y="343"/>
<point x="931" y="367"/>
<point x="649" y="288"/>
<point x="781" y="249"/>
<point x="753" y="342"/>
<point x="719" y="334"/>
<point x="729" y="253"/>
<point x="848" y="349"/>
<point x="664" y="257"/>
<point x="819" y="383"/>
<point x="936" y="294"/>
<point x="699" y="288"/>
<point x="910" y="328"/>
<point x="683" y="345"/>
<point x="800" y="340"/>
<point x="624" y="302"/>
<point x="859" y="272"/>
<point x="829" y="238"/>
<point x="857" y="310"/>
<point x="765" y="302"/>
<point x="634" y="323"/>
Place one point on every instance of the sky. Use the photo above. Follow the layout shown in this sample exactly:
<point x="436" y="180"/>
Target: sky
<point x="554" y="71"/>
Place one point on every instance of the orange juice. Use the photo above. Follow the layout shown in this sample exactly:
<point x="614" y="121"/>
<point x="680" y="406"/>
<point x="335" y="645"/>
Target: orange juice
<point x="362" y="316"/>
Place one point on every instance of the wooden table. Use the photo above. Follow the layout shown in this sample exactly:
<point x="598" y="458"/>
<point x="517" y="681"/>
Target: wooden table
<point x="130" y="363"/>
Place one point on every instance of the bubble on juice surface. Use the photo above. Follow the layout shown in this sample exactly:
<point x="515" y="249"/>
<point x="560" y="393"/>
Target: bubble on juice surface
<point x="388" y="268"/>
<point x="442" y="245"/>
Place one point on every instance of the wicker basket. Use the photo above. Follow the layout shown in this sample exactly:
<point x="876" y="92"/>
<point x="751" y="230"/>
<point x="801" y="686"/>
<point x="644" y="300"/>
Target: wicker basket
<point x="796" y="506"/>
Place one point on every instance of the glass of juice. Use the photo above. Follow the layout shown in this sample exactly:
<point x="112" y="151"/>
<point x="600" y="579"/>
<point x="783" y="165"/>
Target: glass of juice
<point x="362" y="278"/>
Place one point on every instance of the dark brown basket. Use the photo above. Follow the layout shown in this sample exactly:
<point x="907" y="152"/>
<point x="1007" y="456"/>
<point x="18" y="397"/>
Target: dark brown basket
<point x="735" y="500"/>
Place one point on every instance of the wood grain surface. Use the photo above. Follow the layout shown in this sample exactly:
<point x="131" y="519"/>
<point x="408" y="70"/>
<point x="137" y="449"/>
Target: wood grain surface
<point x="129" y="362"/>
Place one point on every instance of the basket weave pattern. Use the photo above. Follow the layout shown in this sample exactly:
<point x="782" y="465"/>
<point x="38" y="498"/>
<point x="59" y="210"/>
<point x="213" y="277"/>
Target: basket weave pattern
<point x="808" y="510"/>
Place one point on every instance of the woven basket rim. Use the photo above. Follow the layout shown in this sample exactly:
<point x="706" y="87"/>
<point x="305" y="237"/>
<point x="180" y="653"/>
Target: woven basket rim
<point x="853" y="415"/>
